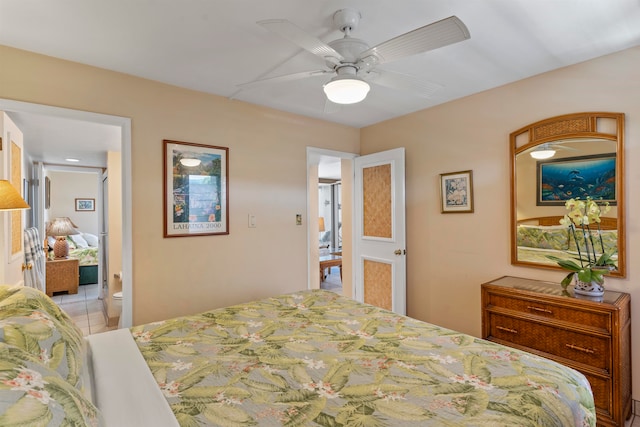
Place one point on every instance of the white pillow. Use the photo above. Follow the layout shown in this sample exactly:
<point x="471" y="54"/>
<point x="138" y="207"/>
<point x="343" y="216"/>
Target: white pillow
<point x="79" y="240"/>
<point x="91" y="239"/>
<point x="51" y="241"/>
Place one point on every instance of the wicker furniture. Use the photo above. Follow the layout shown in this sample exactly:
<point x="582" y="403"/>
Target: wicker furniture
<point x="62" y="275"/>
<point x="593" y="337"/>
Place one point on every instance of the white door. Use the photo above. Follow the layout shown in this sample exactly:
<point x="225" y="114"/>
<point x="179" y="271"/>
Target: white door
<point x="379" y="230"/>
<point x="12" y="222"/>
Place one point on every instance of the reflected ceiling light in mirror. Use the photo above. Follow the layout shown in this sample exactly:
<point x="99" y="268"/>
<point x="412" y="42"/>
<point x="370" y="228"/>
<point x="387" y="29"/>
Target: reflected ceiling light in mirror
<point x="543" y="153"/>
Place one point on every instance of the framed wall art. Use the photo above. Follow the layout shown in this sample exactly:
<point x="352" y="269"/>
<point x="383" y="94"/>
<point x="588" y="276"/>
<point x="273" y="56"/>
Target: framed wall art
<point x="569" y="177"/>
<point x="456" y="192"/>
<point x="85" y="205"/>
<point x="196" y="189"/>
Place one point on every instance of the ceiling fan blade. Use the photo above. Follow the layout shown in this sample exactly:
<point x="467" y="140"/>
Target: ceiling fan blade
<point x="403" y="82"/>
<point x="297" y="35"/>
<point x="438" y="34"/>
<point x="283" y="78"/>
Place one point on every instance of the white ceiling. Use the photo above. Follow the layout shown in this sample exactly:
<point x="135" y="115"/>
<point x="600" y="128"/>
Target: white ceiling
<point x="215" y="45"/>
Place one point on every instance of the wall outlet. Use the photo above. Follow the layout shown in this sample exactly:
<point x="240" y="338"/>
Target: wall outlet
<point x="252" y="221"/>
<point x="298" y="219"/>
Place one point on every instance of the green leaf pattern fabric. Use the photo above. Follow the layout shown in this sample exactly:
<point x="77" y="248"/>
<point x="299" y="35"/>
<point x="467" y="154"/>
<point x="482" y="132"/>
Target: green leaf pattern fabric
<point x="33" y="322"/>
<point x="315" y="358"/>
<point x="543" y="237"/>
<point x="33" y="395"/>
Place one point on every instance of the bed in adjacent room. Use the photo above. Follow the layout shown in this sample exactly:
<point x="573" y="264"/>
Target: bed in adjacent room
<point x="311" y="358"/>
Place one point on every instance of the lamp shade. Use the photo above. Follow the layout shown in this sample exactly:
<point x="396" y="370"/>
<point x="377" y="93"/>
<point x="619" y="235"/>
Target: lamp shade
<point x="10" y="198"/>
<point x="61" y="227"/>
<point x="346" y="90"/>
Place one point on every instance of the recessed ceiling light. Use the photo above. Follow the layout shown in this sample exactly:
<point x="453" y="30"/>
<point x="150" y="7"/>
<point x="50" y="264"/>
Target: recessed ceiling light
<point x="72" y="160"/>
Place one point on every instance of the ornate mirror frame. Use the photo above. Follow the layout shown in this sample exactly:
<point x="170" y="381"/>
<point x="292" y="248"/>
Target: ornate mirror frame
<point x="579" y="133"/>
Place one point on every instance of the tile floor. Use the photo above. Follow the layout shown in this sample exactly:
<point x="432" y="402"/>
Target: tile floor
<point x="85" y="308"/>
<point x="633" y="422"/>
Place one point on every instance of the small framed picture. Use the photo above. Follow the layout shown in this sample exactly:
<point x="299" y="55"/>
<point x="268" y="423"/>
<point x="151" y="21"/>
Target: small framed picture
<point x="85" y="204"/>
<point x="456" y="192"/>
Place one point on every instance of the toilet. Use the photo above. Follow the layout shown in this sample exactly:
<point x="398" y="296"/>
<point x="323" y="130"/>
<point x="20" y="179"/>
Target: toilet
<point x="117" y="304"/>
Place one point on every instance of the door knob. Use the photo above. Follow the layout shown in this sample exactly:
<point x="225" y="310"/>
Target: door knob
<point x="400" y="252"/>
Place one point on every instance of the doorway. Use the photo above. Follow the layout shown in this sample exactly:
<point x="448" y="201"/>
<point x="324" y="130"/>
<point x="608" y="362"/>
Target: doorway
<point x="331" y="171"/>
<point x="125" y="150"/>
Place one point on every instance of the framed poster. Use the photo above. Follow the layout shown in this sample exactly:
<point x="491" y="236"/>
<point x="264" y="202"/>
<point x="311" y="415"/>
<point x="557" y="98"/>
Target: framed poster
<point x="456" y="192"/>
<point x="85" y="205"/>
<point x="571" y="177"/>
<point x="196" y="189"/>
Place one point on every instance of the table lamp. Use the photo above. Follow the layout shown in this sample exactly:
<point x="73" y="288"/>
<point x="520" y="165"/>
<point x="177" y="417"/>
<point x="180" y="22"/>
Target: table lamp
<point x="60" y="228"/>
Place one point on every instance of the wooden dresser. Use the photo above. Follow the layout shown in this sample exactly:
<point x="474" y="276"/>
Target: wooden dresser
<point x="591" y="336"/>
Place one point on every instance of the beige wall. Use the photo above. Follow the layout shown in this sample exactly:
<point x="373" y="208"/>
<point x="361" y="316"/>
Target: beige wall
<point x="68" y="185"/>
<point x="450" y="255"/>
<point x="267" y="155"/>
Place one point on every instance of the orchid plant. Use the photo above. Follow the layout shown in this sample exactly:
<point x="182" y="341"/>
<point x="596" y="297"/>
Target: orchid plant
<point x="584" y="218"/>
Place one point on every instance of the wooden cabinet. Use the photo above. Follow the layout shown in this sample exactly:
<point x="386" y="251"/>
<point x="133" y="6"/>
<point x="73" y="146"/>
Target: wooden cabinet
<point x="63" y="275"/>
<point x="590" y="335"/>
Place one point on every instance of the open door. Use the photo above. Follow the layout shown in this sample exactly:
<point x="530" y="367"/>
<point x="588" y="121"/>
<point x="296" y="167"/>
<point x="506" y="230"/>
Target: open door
<point x="11" y="223"/>
<point x="379" y="230"/>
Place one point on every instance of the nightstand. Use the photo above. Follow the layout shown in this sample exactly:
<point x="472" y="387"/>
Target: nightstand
<point x="63" y="275"/>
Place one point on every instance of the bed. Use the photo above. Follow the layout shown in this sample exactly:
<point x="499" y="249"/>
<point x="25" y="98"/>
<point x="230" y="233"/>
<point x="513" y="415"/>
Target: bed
<point x="310" y="358"/>
<point x="539" y="237"/>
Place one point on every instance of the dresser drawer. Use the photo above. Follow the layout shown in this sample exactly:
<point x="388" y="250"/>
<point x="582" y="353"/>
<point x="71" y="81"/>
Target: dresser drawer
<point x="583" y="348"/>
<point x="593" y="319"/>
<point x="601" y="388"/>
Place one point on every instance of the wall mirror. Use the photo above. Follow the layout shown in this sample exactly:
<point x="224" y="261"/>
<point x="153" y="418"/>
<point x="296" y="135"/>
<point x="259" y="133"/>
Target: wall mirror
<point x="553" y="160"/>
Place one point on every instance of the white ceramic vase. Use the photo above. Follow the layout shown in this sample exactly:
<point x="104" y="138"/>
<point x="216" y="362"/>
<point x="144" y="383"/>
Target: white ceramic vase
<point x="592" y="289"/>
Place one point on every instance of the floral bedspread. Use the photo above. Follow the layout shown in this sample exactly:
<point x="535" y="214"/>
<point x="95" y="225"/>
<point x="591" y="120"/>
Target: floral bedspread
<point x="315" y="358"/>
<point x="540" y="255"/>
<point x="87" y="256"/>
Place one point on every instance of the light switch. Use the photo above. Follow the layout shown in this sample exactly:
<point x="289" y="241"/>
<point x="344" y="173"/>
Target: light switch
<point x="252" y="221"/>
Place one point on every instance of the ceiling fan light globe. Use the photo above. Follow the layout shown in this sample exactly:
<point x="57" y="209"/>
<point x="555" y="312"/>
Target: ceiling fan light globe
<point x="542" y="154"/>
<point x="346" y="91"/>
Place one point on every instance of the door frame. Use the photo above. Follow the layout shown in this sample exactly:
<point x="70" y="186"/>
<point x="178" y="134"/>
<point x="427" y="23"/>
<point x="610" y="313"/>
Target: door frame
<point x="125" y="125"/>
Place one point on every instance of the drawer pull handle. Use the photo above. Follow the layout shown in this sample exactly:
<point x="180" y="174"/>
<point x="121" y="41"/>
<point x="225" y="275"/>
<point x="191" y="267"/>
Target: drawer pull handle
<point x="582" y="349"/>
<point x="502" y="328"/>
<point x="542" y="310"/>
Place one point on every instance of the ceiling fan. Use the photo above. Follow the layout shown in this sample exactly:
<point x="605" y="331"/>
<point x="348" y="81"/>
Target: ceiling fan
<point x="353" y="63"/>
